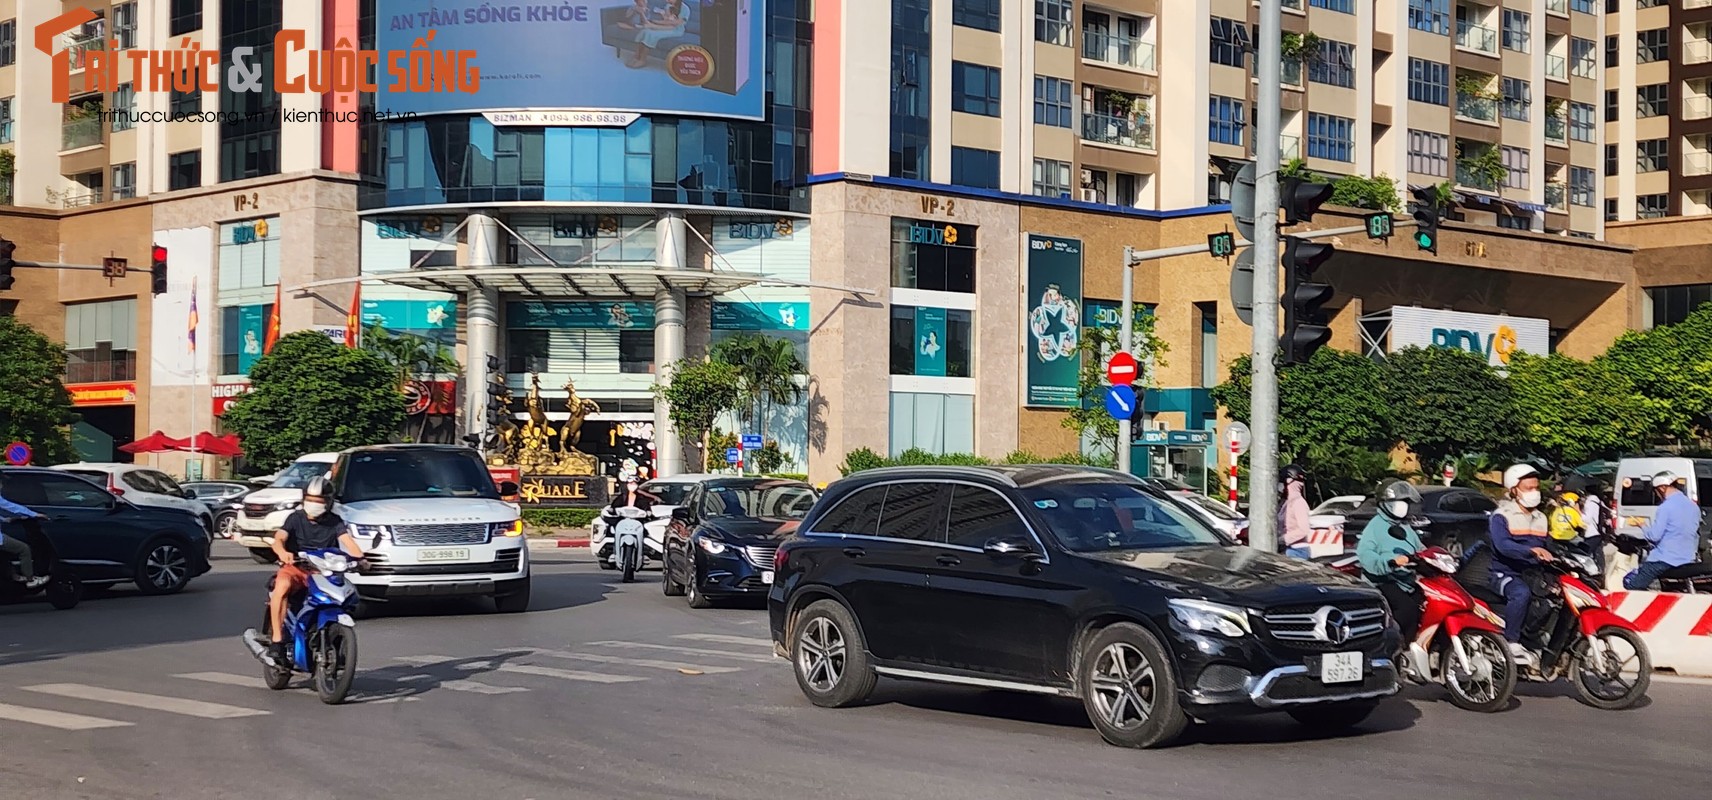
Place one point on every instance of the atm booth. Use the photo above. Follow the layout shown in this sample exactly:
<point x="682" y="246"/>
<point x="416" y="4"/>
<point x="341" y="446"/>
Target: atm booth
<point x="1172" y="455"/>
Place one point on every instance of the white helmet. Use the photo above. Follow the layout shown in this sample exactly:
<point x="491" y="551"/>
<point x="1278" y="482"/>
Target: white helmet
<point x="1517" y="473"/>
<point x="1665" y="478"/>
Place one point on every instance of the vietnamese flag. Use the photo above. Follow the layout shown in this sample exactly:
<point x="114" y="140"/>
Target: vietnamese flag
<point x="354" y="317"/>
<point x="273" y="321"/>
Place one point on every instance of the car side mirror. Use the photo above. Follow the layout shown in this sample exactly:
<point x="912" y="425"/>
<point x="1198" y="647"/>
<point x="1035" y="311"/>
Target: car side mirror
<point x="507" y="488"/>
<point x="1011" y="546"/>
<point x="187" y="494"/>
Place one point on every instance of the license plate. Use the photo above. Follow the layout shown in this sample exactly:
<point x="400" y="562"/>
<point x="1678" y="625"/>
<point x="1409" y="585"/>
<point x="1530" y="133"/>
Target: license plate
<point x="443" y="554"/>
<point x="767" y="576"/>
<point x="1340" y="668"/>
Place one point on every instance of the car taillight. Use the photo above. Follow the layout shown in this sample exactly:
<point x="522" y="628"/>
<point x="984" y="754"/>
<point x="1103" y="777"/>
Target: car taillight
<point x="780" y="556"/>
<point x="113" y="486"/>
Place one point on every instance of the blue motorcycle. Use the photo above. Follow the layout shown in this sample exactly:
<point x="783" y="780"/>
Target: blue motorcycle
<point x="320" y="627"/>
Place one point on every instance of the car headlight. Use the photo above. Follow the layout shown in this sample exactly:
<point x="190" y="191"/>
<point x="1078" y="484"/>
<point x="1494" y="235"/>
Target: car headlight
<point x="1200" y="615"/>
<point x="289" y="505"/>
<point x="512" y="528"/>
<point x="712" y="546"/>
<point x="375" y="533"/>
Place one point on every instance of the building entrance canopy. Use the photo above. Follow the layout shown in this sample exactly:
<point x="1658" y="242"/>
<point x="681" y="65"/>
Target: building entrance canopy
<point x="570" y="283"/>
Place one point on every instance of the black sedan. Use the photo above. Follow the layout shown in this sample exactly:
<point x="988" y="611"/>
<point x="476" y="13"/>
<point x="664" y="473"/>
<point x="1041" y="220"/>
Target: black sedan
<point x="224" y="499"/>
<point x="102" y="538"/>
<point x="721" y="540"/>
<point x="1452" y="517"/>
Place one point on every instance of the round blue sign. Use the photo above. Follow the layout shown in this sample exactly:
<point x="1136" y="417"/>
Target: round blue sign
<point x="1120" y="402"/>
<point x="18" y="454"/>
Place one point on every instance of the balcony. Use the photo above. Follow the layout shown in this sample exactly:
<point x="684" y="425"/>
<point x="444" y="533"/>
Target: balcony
<point x="1696" y="163"/>
<point x="1556" y="192"/>
<point x="1557" y="67"/>
<point x="1476" y="107"/>
<point x="1478" y="38"/>
<point x="1559" y="7"/>
<point x="1292" y="72"/>
<point x="1117" y="131"/>
<point x="1468" y="176"/>
<point x="1117" y="49"/>
<point x="1696" y="51"/>
<point x="81" y="132"/>
<point x="1697" y="106"/>
<point x="1289" y="148"/>
<point x="1557" y="130"/>
<point x="79" y="199"/>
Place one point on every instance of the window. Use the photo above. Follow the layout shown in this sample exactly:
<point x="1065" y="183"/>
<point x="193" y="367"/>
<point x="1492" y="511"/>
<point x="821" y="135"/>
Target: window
<point x="1051" y="178"/>
<point x="933" y="256"/>
<point x="915" y="511"/>
<point x="1649" y="206"/>
<point x="184" y="170"/>
<point x="1651" y="100"/>
<point x="1125" y="194"/>
<point x="979" y="14"/>
<point x="1225" y="120"/>
<point x="636" y="352"/>
<point x="1331" y="137"/>
<point x="1653" y="45"/>
<point x="1652" y="155"/>
<point x="1335" y="64"/>
<point x="1610" y="51"/>
<point x="1610" y="160"/>
<point x="1209" y="343"/>
<point x="937" y="423"/>
<point x="974" y="89"/>
<point x="6" y="121"/>
<point x="1052" y="21"/>
<point x="8" y="43"/>
<point x="186" y="17"/>
<point x="125" y="181"/>
<point x="100" y="341"/>
<point x="973" y="167"/>
<point x="184" y="104"/>
<point x="1581" y="63"/>
<point x="1429" y="154"/>
<point x="1229" y="42"/>
<point x="981" y="515"/>
<point x="1432" y="16"/>
<point x="1515" y="222"/>
<point x="1581" y="122"/>
<point x="249" y="138"/>
<point x="1341" y="6"/>
<point x="1052" y="102"/>
<point x="38" y="489"/>
<point x="1518" y="27"/>
<point x="1516" y="160"/>
<point x="1518" y="96"/>
<point x="858" y="514"/>
<point x="125" y="24"/>
<point x="931" y="342"/>
<point x="124" y="107"/>
<point x="1670" y="305"/>
<point x="1429" y="82"/>
<point x="1610" y="209"/>
<point x="1581" y="186"/>
<point x="1584" y="6"/>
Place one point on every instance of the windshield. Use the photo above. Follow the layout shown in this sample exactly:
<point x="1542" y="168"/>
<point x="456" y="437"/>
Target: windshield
<point x="772" y="499"/>
<point x="299" y="474"/>
<point x="1093" y="516"/>
<point x="406" y="474"/>
<point x="668" y="493"/>
<point x="1217" y="509"/>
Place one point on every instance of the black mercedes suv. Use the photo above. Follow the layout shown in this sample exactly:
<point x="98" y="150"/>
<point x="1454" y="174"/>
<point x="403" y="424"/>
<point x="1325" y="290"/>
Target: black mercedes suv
<point x="1068" y="581"/>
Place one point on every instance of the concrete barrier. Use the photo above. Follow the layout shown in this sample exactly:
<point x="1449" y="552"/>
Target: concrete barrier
<point x="1676" y="627"/>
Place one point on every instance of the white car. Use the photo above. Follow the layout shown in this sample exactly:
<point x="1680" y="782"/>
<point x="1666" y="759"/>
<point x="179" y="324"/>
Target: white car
<point x="266" y="509"/>
<point x="668" y="493"/>
<point x="1214" y="513"/>
<point x="144" y="487"/>
<point x="432" y="524"/>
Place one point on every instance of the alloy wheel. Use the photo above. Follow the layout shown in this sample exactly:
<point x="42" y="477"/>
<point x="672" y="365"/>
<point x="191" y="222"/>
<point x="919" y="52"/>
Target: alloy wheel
<point x="1489" y="665"/>
<point x="166" y="566"/>
<point x="1124" y="686"/>
<point x="821" y="654"/>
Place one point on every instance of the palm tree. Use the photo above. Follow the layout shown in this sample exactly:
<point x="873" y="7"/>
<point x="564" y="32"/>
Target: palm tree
<point x="770" y="369"/>
<point x="412" y="356"/>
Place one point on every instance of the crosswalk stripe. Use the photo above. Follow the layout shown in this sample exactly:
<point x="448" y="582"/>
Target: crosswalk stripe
<point x="694" y="651"/>
<point x="152" y="702"/>
<point x="636" y="662"/>
<point x="723" y="639"/>
<point x="474" y="687"/>
<point x="223" y="678"/>
<point x="57" y="719"/>
<point x="522" y="669"/>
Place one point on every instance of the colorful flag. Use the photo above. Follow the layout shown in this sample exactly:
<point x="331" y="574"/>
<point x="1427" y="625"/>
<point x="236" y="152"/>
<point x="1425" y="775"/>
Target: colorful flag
<point x="354" y="317"/>
<point x="194" y="320"/>
<point x="272" y="334"/>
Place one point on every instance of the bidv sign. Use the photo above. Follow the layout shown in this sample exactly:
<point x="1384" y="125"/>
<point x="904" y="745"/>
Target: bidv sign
<point x="933" y="234"/>
<point x="1501" y="342"/>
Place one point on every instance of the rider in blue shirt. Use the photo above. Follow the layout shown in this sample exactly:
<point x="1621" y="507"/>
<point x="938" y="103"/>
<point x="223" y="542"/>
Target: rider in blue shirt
<point x="13" y="547"/>
<point x="1674" y="532"/>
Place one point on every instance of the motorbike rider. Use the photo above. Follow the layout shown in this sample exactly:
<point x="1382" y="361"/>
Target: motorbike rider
<point x="312" y="527"/>
<point x="1674" y="532"/>
<point x="630" y="495"/>
<point x="1595" y="522"/>
<point x="1518" y="533"/>
<point x="1293" y="512"/>
<point x="13" y="547"/>
<point x="1384" y="550"/>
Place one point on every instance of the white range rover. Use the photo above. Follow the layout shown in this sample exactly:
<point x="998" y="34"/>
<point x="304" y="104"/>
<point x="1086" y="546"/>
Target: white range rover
<point x="433" y="525"/>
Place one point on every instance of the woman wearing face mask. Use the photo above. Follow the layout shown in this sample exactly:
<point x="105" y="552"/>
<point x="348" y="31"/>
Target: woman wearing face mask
<point x="1384" y="550"/>
<point x="1293" y="525"/>
<point x="1518" y="531"/>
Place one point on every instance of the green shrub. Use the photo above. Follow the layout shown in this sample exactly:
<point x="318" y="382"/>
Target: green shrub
<point x="861" y="459"/>
<point x="559" y="517"/>
<point x="788" y="476"/>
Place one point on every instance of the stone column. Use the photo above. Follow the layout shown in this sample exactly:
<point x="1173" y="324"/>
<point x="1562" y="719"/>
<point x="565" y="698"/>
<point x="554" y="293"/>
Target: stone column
<point x="481" y="315"/>
<point x="669" y="340"/>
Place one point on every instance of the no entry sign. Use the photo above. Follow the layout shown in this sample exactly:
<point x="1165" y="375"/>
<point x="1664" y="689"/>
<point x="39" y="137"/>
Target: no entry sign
<point x="18" y="454"/>
<point x="1121" y="369"/>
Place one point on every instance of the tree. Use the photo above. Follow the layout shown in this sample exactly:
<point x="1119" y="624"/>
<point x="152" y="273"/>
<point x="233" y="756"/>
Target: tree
<point x="411" y="357"/>
<point x="1446" y="402"/>
<point x="312" y="395"/>
<point x="1575" y="411"/>
<point x="1098" y="344"/>
<point x="1670" y="366"/>
<point x="34" y="406"/>
<point x="698" y="393"/>
<point x="769" y="369"/>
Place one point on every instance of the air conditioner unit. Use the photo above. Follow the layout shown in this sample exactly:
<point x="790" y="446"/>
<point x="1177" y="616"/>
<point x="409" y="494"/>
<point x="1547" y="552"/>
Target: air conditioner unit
<point x="1090" y="196"/>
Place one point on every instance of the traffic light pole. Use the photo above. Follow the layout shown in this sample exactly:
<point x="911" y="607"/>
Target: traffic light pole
<point x="1126" y="340"/>
<point x="1263" y="460"/>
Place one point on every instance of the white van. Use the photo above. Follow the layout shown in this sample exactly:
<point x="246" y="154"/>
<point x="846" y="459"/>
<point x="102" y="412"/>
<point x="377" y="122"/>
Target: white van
<point x="265" y="510"/>
<point x="1634" y="489"/>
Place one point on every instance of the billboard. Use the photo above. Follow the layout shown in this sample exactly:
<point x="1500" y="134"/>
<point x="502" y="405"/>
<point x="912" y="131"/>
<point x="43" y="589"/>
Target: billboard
<point x="692" y="57"/>
<point x="1053" y="330"/>
<point x="1495" y="337"/>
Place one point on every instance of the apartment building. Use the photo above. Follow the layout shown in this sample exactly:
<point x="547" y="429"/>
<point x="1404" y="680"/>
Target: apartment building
<point x="1658" y="109"/>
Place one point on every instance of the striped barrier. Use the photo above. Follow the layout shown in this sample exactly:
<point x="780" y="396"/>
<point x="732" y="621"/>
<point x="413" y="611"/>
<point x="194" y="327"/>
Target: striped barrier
<point x="1324" y="542"/>
<point x="1676" y="627"/>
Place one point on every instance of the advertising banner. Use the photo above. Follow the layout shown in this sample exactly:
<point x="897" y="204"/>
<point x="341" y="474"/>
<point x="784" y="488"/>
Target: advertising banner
<point x="225" y="394"/>
<point x="252" y="327"/>
<point x="621" y="316"/>
<point x="760" y="316"/>
<point x="930" y="341"/>
<point x="1495" y="337"/>
<point x="1052" y="336"/>
<point x="694" y="57"/>
<point x="102" y="394"/>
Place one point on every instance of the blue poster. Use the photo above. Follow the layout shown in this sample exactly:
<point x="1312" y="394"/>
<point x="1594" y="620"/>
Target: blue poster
<point x="252" y="328"/>
<point x="760" y="316"/>
<point x="411" y="315"/>
<point x="599" y="316"/>
<point x="930" y="341"/>
<point x="694" y="57"/>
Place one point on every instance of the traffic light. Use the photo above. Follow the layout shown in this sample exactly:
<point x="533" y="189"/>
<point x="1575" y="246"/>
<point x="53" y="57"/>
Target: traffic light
<point x="1428" y="212"/>
<point x="1302" y="198"/>
<point x="1304" y="322"/>
<point x="6" y="264"/>
<point x="157" y="270"/>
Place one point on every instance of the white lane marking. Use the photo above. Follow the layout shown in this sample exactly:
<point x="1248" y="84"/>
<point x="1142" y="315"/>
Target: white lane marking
<point x="57" y="719"/>
<point x="474" y="687"/>
<point x="694" y="651"/>
<point x="152" y="702"/>
<point x="223" y="678"/>
<point x="521" y="669"/>
<point x="674" y="666"/>
<point x="722" y="639"/>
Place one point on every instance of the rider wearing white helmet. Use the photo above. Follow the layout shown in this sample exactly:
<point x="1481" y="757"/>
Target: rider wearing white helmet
<point x="1674" y="532"/>
<point x="1519" y="532"/>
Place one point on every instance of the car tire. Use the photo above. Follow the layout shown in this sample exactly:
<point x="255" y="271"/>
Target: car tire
<point x="668" y="586"/>
<point x="829" y="656"/>
<point x="1332" y="718"/>
<point x="163" y="567"/>
<point x="516" y="602"/>
<point x="1129" y="689"/>
<point x="226" y="525"/>
<point x="692" y="588"/>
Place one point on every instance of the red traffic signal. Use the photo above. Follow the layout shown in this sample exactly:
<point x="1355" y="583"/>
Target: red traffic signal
<point x="157" y="270"/>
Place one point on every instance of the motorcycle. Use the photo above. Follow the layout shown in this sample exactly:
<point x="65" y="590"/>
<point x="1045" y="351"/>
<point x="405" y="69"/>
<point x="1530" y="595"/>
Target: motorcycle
<point x="629" y="537"/>
<point x="319" y="627"/>
<point x="64" y="590"/>
<point x="1460" y="643"/>
<point x="1695" y="578"/>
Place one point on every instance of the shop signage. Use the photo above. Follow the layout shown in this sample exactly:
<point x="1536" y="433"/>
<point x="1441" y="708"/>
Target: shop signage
<point x="777" y="229"/>
<point x="249" y="232"/>
<point x="401" y="228"/>
<point x="247" y="202"/>
<point x="227" y="393"/>
<point x="760" y="316"/>
<point x="1188" y="438"/>
<point x="1053" y="324"/>
<point x="102" y="394"/>
<point x="562" y="491"/>
<point x="623" y="316"/>
<point x="935" y="205"/>
<point x="1495" y="337"/>
<point x="561" y="119"/>
<point x="940" y="235"/>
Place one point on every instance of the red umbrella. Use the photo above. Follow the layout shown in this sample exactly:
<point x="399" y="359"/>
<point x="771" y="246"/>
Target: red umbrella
<point x="209" y="444"/>
<point x="157" y="442"/>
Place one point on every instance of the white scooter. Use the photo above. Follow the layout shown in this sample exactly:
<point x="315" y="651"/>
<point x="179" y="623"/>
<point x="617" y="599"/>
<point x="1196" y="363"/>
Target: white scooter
<point x="629" y="540"/>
